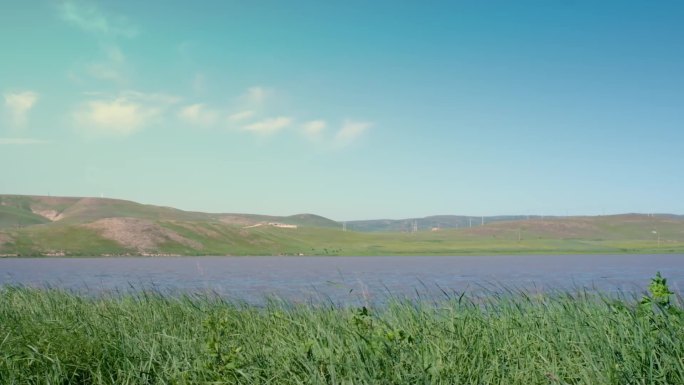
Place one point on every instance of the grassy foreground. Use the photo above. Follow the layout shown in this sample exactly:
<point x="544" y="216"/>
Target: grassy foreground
<point x="53" y="337"/>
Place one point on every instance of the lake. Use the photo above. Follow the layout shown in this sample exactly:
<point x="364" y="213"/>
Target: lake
<point x="345" y="279"/>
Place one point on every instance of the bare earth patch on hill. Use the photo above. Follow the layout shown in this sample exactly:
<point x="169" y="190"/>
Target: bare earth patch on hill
<point x="139" y="234"/>
<point x="48" y="214"/>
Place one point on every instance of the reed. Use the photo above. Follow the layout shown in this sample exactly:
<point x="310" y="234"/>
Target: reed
<point x="50" y="336"/>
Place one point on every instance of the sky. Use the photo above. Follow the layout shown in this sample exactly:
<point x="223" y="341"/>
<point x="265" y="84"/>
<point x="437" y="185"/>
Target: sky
<point x="348" y="109"/>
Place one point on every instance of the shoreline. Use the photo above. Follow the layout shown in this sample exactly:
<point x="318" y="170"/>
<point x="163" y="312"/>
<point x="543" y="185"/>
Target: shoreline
<point x="456" y="254"/>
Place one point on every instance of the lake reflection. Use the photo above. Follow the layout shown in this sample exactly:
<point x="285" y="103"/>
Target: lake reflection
<point x="345" y="279"/>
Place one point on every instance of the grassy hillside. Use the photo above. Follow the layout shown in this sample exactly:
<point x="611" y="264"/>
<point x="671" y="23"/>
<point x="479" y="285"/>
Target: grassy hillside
<point x="31" y="226"/>
<point x="13" y="217"/>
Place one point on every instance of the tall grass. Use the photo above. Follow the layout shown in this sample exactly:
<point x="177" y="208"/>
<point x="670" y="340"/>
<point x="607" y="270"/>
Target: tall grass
<point x="55" y="337"/>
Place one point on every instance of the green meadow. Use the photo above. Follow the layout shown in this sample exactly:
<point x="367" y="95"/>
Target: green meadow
<point x="56" y="337"/>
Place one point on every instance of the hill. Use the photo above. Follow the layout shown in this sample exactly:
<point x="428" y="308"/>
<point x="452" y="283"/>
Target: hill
<point x="55" y="226"/>
<point x="429" y="223"/>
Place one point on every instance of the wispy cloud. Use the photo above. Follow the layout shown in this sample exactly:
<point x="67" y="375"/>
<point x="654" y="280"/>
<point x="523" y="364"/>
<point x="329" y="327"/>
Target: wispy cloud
<point x="111" y="67"/>
<point x="269" y="126"/>
<point x="19" y="104"/>
<point x="105" y="72"/>
<point x="199" y="83"/>
<point x="254" y="112"/>
<point x="88" y="17"/>
<point x="122" y="115"/>
<point x="151" y="97"/>
<point x="314" y="128"/>
<point x="350" y="131"/>
<point x="106" y="28"/>
<point x="21" y="141"/>
<point x="242" y="115"/>
<point x="188" y="50"/>
<point x="257" y="95"/>
<point x="199" y="114"/>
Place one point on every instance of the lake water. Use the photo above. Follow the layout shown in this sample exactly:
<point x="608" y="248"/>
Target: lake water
<point x="345" y="279"/>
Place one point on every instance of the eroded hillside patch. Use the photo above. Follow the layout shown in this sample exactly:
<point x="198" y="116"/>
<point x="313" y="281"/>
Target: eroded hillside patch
<point x="140" y="234"/>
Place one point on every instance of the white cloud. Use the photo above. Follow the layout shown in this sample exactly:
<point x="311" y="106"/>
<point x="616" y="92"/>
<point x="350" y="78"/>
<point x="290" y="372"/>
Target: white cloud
<point x="257" y="95"/>
<point x="199" y="114"/>
<point x="269" y="126"/>
<point x="19" y="105"/>
<point x="242" y="115"/>
<point x="350" y="131"/>
<point x="130" y="111"/>
<point x="314" y="127"/>
<point x="90" y="18"/>
<point x="21" y="141"/>
<point x="120" y="116"/>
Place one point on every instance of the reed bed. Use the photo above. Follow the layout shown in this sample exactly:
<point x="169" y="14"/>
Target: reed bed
<point x="49" y="336"/>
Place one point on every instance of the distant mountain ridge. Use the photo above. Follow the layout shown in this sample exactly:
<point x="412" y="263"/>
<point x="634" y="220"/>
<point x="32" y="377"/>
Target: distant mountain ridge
<point x="431" y="222"/>
<point x="439" y="222"/>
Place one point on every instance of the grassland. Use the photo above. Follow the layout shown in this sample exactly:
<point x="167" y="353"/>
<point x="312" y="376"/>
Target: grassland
<point x="35" y="226"/>
<point x="54" y="337"/>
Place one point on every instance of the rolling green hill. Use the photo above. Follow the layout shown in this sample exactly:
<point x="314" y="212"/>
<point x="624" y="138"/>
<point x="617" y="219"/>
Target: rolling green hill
<point x="14" y="216"/>
<point x="34" y="226"/>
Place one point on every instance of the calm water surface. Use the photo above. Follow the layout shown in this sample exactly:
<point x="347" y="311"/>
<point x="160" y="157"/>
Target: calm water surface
<point x="345" y="279"/>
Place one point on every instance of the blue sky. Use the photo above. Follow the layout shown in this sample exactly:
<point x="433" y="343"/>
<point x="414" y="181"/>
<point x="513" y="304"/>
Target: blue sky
<point x="350" y="110"/>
